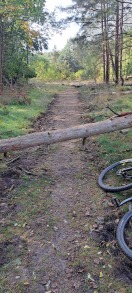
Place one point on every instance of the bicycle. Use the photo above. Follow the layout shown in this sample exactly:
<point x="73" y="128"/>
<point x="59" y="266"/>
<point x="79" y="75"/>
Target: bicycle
<point x="123" y="169"/>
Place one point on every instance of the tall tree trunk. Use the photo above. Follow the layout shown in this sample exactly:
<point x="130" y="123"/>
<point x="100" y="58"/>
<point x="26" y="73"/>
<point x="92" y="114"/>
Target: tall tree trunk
<point x="107" y="48"/>
<point x="121" y="41"/>
<point x="117" y="45"/>
<point x="106" y="41"/>
<point x="27" y="57"/>
<point x="112" y="60"/>
<point x="1" y="53"/>
<point x="103" y="40"/>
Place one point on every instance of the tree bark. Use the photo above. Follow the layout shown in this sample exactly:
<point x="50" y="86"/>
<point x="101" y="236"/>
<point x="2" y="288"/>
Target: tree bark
<point x="121" y="41"/>
<point x="112" y="61"/>
<point x="117" y="45"/>
<point x="50" y="137"/>
<point x="1" y="53"/>
<point x="107" y="46"/>
<point x="103" y="40"/>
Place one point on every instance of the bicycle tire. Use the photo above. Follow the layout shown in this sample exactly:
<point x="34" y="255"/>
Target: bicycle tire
<point x="120" y="234"/>
<point x="113" y="188"/>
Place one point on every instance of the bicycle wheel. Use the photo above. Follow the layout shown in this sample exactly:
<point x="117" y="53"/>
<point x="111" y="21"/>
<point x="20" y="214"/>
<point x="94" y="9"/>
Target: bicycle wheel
<point x="115" y="173"/>
<point x="124" y="234"/>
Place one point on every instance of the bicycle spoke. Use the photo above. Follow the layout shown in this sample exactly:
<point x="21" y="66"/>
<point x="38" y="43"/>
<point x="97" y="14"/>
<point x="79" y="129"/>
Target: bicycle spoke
<point x="120" y="175"/>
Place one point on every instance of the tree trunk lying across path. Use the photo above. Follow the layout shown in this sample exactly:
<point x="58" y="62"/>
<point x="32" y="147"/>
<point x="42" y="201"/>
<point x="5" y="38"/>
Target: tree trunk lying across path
<point x="50" y="137"/>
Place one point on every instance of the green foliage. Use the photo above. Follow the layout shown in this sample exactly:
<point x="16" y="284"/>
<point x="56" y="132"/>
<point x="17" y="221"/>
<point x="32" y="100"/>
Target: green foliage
<point x="21" y="111"/>
<point x="68" y="58"/>
<point x="79" y="74"/>
<point x="45" y="70"/>
<point x="14" y="69"/>
<point x="105" y="36"/>
<point x="28" y="72"/>
<point x="127" y="55"/>
<point x="22" y="108"/>
<point x="18" y="38"/>
<point x="128" y="69"/>
<point x="73" y="62"/>
<point x="81" y="58"/>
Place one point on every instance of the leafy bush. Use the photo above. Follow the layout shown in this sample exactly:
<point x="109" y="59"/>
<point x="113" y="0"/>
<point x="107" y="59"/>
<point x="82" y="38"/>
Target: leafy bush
<point x="16" y="69"/>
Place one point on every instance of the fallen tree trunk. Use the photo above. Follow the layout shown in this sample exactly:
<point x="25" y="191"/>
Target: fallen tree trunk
<point x="50" y="137"/>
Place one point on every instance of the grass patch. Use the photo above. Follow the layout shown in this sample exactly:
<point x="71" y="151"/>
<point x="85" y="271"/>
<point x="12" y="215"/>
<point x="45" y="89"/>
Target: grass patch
<point x="117" y="145"/>
<point x="114" y="146"/>
<point x="19" y="109"/>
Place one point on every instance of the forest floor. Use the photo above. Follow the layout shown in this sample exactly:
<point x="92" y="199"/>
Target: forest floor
<point x="58" y="227"/>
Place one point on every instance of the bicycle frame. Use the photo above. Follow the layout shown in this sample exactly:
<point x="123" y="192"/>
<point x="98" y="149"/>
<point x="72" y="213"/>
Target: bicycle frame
<point x="117" y="202"/>
<point x="123" y="172"/>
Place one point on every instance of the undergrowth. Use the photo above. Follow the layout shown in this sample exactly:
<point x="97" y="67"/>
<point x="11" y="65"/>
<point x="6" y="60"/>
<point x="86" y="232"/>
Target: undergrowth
<point x="117" y="145"/>
<point x="20" y="107"/>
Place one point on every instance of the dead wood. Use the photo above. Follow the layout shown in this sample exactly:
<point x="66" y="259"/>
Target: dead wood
<point x="27" y="172"/>
<point x="13" y="160"/>
<point x="54" y="136"/>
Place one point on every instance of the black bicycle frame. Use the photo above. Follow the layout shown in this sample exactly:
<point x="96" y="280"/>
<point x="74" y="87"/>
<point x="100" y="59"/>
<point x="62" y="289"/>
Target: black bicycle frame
<point x="117" y="202"/>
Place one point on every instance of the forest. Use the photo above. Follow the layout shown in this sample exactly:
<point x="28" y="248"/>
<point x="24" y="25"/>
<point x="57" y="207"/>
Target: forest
<point x="101" y="49"/>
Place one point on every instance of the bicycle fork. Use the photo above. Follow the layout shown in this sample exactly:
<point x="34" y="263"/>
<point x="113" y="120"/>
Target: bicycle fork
<point x="117" y="203"/>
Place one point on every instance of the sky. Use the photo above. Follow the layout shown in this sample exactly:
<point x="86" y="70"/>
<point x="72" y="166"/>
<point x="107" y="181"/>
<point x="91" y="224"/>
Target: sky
<point x="60" y="40"/>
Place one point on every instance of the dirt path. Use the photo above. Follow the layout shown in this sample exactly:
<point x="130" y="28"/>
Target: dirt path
<point x="67" y="168"/>
<point x="69" y="204"/>
<point x="65" y="246"/>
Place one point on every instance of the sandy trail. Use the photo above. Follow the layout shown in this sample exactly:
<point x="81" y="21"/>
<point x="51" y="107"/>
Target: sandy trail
<point x="67" y="168"/>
